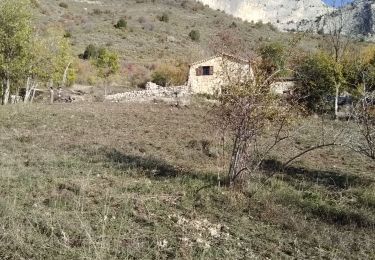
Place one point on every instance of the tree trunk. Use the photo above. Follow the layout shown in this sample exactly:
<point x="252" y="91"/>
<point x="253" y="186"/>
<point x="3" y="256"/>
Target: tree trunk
<point x="32" y="97"/>
<point x="6" y="92"/>
<point x="65" y="76"/>
<point x="337" y="101"/>
<point x="27" y="91"/>
<point x="51" y="95"/>
<point x="237" y="152"/>
<point x="2" y="90"/>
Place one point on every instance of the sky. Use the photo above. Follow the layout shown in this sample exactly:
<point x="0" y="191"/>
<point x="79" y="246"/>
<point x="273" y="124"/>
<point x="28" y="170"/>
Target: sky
<point x="337" y="2"/>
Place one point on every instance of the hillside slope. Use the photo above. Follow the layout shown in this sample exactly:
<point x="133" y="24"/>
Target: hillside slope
<point x="147" y="39"/>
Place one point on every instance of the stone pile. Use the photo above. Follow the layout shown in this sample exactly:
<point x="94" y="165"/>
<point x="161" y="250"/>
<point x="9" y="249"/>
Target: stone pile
<point x="151" y="92"/>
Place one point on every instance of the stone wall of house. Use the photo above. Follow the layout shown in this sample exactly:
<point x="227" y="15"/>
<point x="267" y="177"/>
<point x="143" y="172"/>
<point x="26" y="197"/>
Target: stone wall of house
<point x="151" y="93"/>
<point x="225" y="71"/>
<point x="283" y="87"/>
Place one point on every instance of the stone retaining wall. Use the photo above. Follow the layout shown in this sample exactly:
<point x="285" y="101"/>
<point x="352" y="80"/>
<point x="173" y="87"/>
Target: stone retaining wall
<point x="151" y="93"/>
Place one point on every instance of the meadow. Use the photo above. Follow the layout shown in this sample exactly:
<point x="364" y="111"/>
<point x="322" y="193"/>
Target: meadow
<point x="136" y="181"/>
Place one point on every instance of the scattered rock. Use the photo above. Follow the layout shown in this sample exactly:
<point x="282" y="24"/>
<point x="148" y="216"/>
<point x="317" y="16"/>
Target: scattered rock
<point x="163" y="243"/>
<point x="152" y="86"/>
<point x="177" y="95"/>
<point x="171" y="38"/>
<point x="209" y="149"/>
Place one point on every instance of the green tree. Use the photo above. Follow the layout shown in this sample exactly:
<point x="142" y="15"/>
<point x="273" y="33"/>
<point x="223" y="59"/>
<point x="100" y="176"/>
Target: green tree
<point x="359" y="71"/>
<point x="107" y="64"/>
<point x="273" y="56"/>
<point x="53" y="58"/>
<point x="51" y="61"/>
<point x="318" y="74"/>
<point x="15" y="42"/>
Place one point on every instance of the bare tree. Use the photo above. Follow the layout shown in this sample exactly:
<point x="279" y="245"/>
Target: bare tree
<point x="362" y="141"/>
<point x="246" y="110"/>
<point x="256" y="119"/>
<point x="365" y="119"/>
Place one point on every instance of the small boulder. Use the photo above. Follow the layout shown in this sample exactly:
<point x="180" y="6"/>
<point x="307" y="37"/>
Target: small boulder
<point x="152" y="86"/>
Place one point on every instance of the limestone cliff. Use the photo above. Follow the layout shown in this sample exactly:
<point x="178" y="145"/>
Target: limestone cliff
<point x="284" y="14"/>
<point x="356" y="19"/>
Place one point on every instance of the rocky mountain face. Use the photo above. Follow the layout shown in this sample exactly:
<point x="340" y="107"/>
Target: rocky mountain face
<point x="355" y="19"/>
<point x="284" y="14"/>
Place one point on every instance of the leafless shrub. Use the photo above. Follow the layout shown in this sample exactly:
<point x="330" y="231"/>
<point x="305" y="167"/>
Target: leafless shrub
<point x="364" y="140"/>
<point x="248" y="110"/>
<point x="256" y="120"/>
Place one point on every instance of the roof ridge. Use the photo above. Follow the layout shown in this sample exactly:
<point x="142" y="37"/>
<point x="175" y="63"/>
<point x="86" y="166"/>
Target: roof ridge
<point x="218" y="55"/>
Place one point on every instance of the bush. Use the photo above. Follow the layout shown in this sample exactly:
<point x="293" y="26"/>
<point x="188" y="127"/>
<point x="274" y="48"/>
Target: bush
<point x="71" y="76"/>
<point x="233" y="25"/>
<point x="258" y="24"/>
<point x="67" y="34"/>
<point x="121" y="24"/>
<point x="272" y="27"/>
<point x="35" y="3"/>
<point x="167" y="74"/>
<point x="85" y="72"/>
<point x="138" y="76"/>
<point x="194" y="35"/>
<point x="63" y="5"/>
<point x="273" y="56"/>
<point x="141" y="19"/>
<point x="107" y="63"/>
<point x="91" y="52"/>
<point x="97" y="11"/>
<point x="164" y="18"/>
<point x="159" y="78"/>
<point x="317" y="75"/>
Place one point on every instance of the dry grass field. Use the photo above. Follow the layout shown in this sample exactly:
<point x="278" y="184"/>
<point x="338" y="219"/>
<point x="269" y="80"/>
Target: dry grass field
<point x="123" y="181"/>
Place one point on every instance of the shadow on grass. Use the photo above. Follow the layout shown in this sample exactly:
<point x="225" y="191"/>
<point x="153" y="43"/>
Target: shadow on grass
<point x="155" y="168"/>
<point x="329" y="179"/>
<point x="328" y="210"/>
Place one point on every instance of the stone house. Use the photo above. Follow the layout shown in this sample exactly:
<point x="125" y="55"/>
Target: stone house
<point x="208" y="76"/>
<point x="283" y="86"/>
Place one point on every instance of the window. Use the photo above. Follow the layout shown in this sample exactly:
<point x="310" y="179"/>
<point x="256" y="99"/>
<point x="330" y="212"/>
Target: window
<point x="205" y="71"/>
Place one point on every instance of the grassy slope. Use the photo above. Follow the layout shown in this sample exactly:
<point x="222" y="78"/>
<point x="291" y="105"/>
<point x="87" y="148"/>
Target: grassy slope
<point x="120" y="181"/>
<point x="148" y="42"/>
<point x="146" y="39"/>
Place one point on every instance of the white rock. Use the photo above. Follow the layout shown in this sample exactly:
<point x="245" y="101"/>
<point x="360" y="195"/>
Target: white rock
<point x="284" y="14"/>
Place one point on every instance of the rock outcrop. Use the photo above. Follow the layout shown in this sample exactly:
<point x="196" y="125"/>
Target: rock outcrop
<point x="356" y="19"/>
<point x="284" y="14"/>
